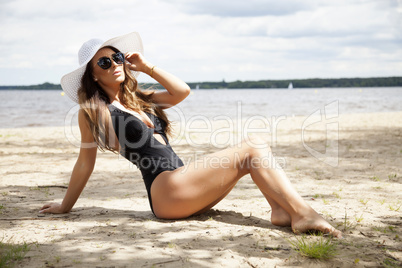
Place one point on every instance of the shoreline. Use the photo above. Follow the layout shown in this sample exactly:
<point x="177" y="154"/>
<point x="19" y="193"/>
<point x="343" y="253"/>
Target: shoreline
<point x="298" y="117"/>
<point x="112" y="224"/>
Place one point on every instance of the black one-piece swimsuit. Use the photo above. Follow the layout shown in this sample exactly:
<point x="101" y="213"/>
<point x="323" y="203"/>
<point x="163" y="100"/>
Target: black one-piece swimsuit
<point x="140" y="147"/>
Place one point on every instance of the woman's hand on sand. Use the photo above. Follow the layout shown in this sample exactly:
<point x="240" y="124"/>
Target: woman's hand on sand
<point x="52" y="208"/>
<point x="137" y="62"/>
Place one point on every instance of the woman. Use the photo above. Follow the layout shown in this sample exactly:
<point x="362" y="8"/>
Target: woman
<point x="115" y="115"/>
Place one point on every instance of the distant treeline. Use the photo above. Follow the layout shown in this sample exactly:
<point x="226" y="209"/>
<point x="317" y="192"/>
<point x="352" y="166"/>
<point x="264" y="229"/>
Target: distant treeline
<point x="305" y="83"/>
<point x="40" y="86"/>
<point x="297" y="83"/>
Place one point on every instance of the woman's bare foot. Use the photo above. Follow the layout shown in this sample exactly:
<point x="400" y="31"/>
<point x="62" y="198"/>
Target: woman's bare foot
<point x="280" y="217"/>
<point x="314" y="222"/>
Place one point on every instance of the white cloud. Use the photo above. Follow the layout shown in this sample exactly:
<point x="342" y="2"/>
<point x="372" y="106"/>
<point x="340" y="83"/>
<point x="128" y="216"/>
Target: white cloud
<point x="208" y="40"/>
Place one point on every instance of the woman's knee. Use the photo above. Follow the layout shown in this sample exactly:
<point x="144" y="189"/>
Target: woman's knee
<point x="253" y="150"/>
<point x="256" y="146"/>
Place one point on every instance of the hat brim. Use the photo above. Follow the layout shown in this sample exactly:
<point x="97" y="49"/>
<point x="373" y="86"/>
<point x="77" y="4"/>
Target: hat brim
<point x="131" y="42"/>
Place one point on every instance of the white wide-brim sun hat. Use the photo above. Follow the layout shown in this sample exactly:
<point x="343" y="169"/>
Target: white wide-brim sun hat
<point x="71" y="82"/>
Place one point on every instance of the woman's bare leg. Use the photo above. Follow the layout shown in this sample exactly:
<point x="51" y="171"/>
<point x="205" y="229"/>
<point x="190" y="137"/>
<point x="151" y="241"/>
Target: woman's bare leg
<point x="273" y="182"/>
<point x="198" y="186"/>
<point x="201" y="184"/>
<point x="279" y="216"/>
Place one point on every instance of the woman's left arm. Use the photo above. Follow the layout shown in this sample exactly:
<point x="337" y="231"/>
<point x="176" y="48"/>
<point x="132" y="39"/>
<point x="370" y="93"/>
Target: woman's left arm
<point x="176" y="89"/>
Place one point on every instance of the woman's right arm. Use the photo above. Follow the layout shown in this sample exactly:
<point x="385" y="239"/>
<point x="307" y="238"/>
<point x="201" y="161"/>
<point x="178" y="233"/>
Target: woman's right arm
<point x="82" y="170"/>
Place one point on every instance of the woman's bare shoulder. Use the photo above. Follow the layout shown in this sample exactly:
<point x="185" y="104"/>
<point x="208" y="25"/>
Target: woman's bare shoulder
<point x="86" y="133"/>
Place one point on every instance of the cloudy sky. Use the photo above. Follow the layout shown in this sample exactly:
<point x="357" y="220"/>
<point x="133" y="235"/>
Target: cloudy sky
<point x="208" y="40"/>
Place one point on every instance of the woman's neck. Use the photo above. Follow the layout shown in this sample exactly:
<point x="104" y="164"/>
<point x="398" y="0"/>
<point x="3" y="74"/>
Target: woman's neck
<point x="112" y="93"/>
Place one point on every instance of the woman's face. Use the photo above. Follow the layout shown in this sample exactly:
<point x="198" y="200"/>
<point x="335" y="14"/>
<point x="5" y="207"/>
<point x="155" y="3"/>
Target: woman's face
<point x="111" y="77"/>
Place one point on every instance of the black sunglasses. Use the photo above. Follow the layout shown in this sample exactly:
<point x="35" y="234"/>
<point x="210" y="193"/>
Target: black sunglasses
<point x="106" y="62"/>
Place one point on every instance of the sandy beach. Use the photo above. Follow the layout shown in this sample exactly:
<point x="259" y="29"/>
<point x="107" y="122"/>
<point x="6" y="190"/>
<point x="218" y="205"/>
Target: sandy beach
<point x="111" y="225"/>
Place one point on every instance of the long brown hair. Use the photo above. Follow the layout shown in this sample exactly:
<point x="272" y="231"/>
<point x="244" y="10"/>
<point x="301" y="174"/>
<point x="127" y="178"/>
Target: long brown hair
<point x="94" y="102"/>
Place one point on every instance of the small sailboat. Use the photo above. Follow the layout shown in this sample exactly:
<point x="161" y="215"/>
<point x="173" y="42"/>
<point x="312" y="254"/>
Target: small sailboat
<point x="290" y="86"/>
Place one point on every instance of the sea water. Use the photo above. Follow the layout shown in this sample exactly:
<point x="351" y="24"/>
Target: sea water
<point x="33" y="108"/>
